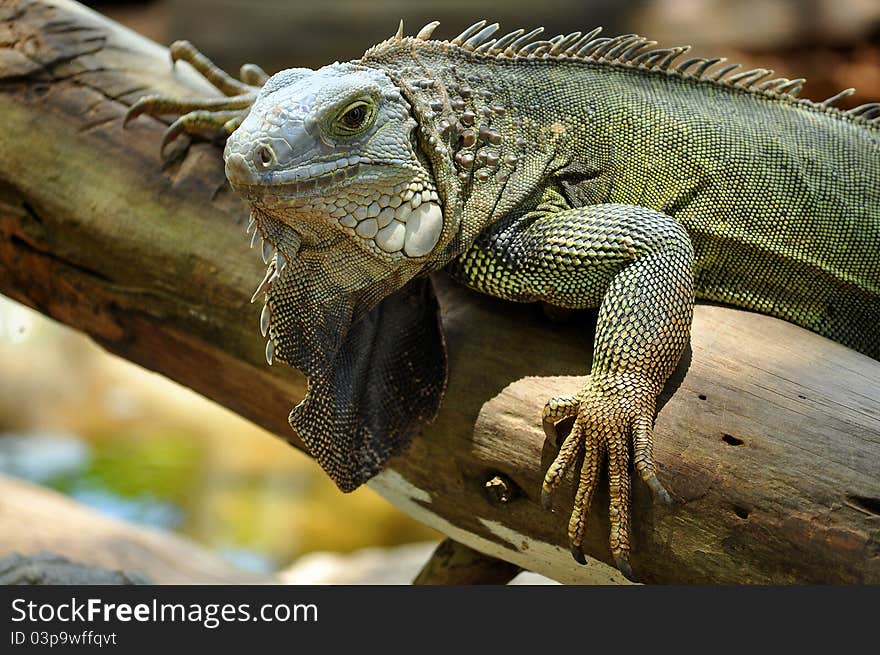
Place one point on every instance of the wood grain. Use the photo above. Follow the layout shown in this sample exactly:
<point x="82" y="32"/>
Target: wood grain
<point x="770" y="441"/>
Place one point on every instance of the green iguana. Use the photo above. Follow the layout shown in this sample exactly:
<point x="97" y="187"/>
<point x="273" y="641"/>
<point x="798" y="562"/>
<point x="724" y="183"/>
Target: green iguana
<point x="579" y="171"/>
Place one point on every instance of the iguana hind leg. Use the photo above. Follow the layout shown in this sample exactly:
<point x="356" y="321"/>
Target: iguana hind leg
<point x="206" y="118"/>
<point x="636" y="265"/>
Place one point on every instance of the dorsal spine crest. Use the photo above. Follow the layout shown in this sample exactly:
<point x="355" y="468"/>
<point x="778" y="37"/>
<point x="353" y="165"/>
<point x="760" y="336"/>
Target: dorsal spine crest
<point x="628" y="51"/>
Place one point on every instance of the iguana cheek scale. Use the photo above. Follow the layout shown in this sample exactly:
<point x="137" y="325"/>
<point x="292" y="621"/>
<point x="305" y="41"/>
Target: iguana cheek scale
<point x="580" y="171"/>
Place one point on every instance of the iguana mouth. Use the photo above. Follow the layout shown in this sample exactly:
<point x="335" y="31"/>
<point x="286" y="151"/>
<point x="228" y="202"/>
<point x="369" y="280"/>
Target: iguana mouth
<point x="302" y="183"/>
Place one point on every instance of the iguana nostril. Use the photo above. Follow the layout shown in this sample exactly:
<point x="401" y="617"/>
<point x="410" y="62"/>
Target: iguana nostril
<point x="265" y="156"/>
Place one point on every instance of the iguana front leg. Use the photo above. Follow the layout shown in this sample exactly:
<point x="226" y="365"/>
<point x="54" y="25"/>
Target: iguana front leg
<point x="208" y="118"/>
<point x="636" y="265"/>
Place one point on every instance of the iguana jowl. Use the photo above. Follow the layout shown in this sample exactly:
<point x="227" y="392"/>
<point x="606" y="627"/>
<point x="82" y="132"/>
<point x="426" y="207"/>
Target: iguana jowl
<point x="579" y="171"/>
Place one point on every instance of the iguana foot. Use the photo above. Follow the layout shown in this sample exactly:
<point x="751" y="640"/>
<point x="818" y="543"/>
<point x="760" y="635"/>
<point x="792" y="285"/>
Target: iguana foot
<point x="207" y="118"/>
<point x="609" y="413"/>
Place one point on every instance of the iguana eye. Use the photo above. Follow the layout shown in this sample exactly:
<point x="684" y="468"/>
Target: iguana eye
<point x="355" y="117"/>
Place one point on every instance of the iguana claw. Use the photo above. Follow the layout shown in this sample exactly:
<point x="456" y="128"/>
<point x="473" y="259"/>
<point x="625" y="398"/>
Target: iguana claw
<point x="660" y="493"/>
<point x="546" y="500"/>
<point x="623" y="565"/>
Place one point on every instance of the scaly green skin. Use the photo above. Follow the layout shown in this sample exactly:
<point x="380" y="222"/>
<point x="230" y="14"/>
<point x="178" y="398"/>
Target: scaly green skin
<point x="580" y="172"/>
<point x="781" y="202"/>
<point x="781" y="199"/>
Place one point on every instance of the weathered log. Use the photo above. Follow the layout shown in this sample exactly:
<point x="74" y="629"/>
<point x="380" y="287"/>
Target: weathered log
<point x="770" y="442"/>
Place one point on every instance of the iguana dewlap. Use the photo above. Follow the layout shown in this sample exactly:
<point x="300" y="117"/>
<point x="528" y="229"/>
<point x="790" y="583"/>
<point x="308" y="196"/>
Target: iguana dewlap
<point x="578" y="171"/>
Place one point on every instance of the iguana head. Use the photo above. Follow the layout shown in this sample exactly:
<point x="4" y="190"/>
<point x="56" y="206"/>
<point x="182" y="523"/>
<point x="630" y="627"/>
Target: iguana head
<point x="349" y="212"/>
<point x="331" y="155"/>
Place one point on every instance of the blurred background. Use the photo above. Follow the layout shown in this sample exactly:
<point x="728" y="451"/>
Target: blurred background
<point x="138" y="447"/>
<point x="835" y="44"/>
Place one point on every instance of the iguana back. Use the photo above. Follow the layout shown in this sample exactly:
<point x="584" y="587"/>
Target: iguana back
<point x="780" y="196"/>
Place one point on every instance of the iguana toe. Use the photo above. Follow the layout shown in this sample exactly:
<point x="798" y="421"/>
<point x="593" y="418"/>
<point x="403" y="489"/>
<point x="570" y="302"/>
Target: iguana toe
<point x="205" y="124"/>
<point x="209" y="118"/>
<point x="555" y="410"/>
<point x="186" y="51"/>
